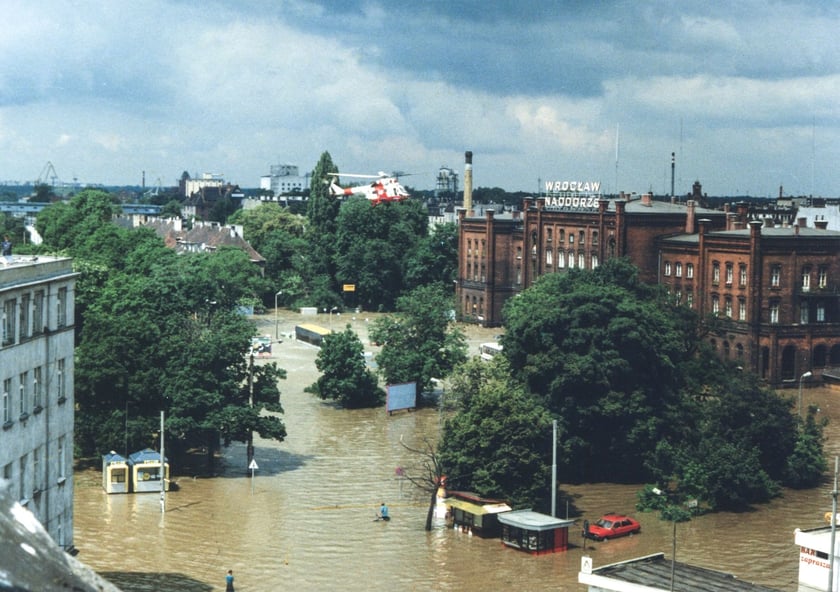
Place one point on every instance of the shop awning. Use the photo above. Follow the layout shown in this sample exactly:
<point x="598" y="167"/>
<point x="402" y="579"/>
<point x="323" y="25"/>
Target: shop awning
<point x="477" y="509"/>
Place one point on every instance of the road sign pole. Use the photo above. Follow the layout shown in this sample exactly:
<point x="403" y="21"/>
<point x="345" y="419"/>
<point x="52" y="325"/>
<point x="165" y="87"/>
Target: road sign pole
<point x="253" y="467"/>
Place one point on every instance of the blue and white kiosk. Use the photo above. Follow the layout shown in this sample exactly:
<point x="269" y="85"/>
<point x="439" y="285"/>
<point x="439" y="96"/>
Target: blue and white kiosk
<point x="114" y="473"/>
<point x="146" y="471"/>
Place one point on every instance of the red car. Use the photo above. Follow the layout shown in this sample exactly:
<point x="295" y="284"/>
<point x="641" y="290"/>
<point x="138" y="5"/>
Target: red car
<point x="610" y="526"/>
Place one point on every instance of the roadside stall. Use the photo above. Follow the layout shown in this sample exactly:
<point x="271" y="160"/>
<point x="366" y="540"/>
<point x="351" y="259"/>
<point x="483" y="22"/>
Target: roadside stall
<point x="114" y="473"/>
<point x="474" y="514"/>
<point x="535" y="533"/>
<point x="145" y="468"/>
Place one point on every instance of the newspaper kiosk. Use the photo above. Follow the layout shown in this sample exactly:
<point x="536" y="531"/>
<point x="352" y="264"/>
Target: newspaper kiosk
<point x="145" y="468"/>
<point x="114" y="473"/>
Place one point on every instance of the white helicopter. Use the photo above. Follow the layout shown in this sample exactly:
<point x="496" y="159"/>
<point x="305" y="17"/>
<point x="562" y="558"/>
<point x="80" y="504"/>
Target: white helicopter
<point x="385" y="188"/>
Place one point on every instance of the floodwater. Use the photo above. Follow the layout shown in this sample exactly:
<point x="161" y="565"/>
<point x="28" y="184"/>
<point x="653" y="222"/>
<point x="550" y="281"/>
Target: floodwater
<point x="306" y="520"/>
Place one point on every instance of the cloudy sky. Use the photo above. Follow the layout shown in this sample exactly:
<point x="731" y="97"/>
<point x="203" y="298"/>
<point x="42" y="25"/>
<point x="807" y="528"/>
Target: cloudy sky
<point x="747" y="94"/>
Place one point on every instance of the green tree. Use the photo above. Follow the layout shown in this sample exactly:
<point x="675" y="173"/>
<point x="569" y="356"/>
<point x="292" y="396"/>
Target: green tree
<point x="344" y="376"/>
<point x="499" y="443"/>
<point x="371" y="246"/>
<point x="806" y="465"/>
<point x="322" y="212"/>
<point x="434" y="259"/>
<point x="602" y="351"/>
<point x="44" y="193"/>
<point x="63" y="225"/>
<point x="419" y="341"/>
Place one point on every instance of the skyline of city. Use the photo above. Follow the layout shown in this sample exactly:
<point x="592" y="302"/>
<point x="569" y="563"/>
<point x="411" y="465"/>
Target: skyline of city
<point x="743" y="95"/>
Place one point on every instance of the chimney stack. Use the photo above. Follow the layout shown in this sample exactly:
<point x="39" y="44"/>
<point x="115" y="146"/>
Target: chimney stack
<point x="689" y="217"/>
<point x="468" y="181"/>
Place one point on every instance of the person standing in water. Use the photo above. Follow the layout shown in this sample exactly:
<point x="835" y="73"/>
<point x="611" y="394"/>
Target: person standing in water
<point x="383" y="512"/>
<point x="229" y="581"/>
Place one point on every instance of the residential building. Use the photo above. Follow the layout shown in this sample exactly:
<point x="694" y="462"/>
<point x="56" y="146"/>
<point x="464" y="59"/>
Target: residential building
<point x="36" y="388"/>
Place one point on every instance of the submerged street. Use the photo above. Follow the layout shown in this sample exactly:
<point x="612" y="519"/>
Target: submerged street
<point x="307" y="521"/>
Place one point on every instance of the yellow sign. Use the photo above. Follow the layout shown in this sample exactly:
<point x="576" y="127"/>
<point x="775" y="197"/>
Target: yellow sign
<point x="349" y="287"/>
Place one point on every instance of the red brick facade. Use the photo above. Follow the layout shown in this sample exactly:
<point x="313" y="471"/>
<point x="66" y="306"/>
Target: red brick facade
<point x="777" y="289"/>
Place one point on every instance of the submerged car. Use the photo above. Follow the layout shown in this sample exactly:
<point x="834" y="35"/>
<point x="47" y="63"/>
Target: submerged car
<point x="610" y="526"/>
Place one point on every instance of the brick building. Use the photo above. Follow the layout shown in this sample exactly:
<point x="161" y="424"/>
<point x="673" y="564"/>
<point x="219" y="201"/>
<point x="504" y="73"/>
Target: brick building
<point x="776" y="288"/>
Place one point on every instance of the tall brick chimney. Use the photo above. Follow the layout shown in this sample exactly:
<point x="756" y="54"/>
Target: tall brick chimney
<point x="689" y="216"/>
<point x="468" y="181"/>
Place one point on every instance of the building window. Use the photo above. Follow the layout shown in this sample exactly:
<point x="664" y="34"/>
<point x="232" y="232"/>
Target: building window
<point x="519" y="252"/>
<point x="806" y="279"/>
<point x="561" y="259"/>
<point x="571" y="238"/>
<point x="548" y="235"/>
<point x="820" y="312"/>
<point x="594" y="261"/>
<point x="742" y="309"/>
<point x="774" y="313"/>
<point x="59" y="382"/>
<point x="549" y="257"/>
<point x="518" y="275"/>
<point x="689" y="270"/>
<point x="24" y="316"/>
<point x="667" y="268"/>
<point x="775" y="276"/>
<point x="742" y="275"/>
<point x="689" y="299"/>
<point x="582" y="238"/>
<point x="61" y="306"/>
<point x="7" y="401"/>
<point x="561" y="236"/>
<point x="23" y="378"/>
<point x="803" y="314"/>
<point x="677" y="297"/>
<point x="571" y="259"/>
<point x="678" y="270"/>
<point x="22" y="483"/>
<point x="581" y="260"/>
<point x="728" y="307"/>
<point x="36" y="389"/>
<point x="37" y="485"/>
<point x="715" y="273"/>
<point x="9" y="322"/>
<point x="822" y="277"/>
<point x="739" y="350"/>
<point x="715" y="304"/>
<point x="594" y="238"/>
<point x="729" y="274"/>
<point x="38" y="313"/>
<point x="60" y="459"/>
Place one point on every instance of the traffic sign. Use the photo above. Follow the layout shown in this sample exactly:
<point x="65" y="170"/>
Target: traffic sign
<point x="253" y="466"/>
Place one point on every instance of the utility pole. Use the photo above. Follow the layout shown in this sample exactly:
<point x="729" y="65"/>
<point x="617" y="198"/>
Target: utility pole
<point x="162" y="468"/>
<point x="250" y="449"/>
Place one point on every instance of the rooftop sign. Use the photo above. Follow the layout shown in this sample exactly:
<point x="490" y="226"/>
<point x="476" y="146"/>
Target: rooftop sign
<point x="572" y="194"/>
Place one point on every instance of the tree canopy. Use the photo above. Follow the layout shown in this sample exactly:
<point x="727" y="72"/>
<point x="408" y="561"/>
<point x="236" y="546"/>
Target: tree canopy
<point x="157" y="332"/>
<point x="344" y="376"/>
<point x="419" y="341"/>
<point x="499" y="443"/>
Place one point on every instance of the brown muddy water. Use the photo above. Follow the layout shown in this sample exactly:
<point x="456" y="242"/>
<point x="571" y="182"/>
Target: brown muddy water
<point x="306" y="520"/>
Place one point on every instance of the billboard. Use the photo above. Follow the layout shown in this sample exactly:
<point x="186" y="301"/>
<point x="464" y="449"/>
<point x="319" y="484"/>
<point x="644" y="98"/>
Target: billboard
<point x="401" y="396"/>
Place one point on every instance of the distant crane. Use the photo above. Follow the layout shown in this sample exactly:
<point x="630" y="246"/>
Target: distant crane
<point x="47" y="172"/>
<point x="155" y="191"/>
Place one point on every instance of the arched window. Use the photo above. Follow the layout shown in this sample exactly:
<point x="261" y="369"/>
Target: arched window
<point x="788" y="362"/>
<point x="820" y="355"/>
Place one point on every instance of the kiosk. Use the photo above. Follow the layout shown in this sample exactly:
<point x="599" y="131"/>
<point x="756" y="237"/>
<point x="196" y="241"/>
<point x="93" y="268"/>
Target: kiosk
<point x="114" y="473"/>
<point x="146" y="471"/>
<point x="534" y="533"/>
<point x="475" y="514"/>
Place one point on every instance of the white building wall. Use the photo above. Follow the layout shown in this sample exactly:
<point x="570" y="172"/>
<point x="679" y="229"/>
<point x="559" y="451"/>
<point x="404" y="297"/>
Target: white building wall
<point x="815" y="561"/>
<point x="36" y="389"/>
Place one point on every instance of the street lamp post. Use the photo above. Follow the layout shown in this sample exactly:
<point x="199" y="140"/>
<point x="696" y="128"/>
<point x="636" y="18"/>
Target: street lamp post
<point x="801" y="378"/>
<point x="277" y="317"/>
<point x="332" y="310"/>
